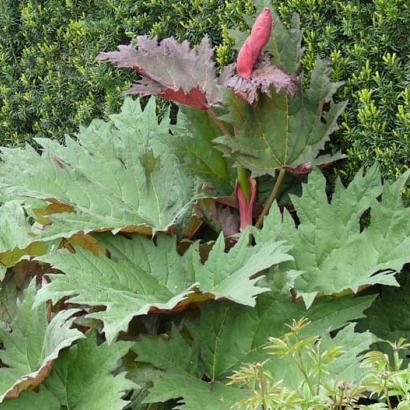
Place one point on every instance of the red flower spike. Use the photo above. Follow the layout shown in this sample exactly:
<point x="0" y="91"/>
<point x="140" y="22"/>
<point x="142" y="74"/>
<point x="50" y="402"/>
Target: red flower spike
<point x="253" y="45"/>
<point x="245" y="207"/>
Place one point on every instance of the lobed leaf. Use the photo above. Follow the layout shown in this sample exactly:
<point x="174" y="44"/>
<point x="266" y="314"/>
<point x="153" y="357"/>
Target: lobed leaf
<point x="170" y="70"/>
<point x="117" y="176"/>
<point x="229" y="336"/>
<point x="196" y="394"/>
<point x="83" y="376"/>
<point x="32" y="345"/>
<point x="192" y="142"/>
<point x="142" y="277"/>
<point x="280" y="131"/>
<point x="81" y="379"/>
<point x="344" y="257"/>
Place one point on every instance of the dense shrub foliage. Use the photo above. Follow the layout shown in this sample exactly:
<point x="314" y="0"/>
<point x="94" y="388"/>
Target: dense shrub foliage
<point x="49" y="83"/>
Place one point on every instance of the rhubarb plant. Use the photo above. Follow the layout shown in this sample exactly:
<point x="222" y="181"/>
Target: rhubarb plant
<point x="153" y="261"/>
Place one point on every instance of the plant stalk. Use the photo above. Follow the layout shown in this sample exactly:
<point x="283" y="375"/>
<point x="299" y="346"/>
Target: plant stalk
<point x="386" y="393"/>
<point x="272" y="197"/>
<point x="302" y="369"/>
<point x="262" y="387"/>
<point x="243" y="181"/>
<point x="396" y="360"/>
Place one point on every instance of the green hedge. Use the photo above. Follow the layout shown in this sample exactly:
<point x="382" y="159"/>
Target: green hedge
<point x="49" y="83"/>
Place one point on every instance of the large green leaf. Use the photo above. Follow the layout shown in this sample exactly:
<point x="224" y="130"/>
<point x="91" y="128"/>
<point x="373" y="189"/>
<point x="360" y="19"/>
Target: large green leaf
<point x="141" y="277"/>
<point x="195" y="393"/>
<point x="329" y="246"/>
<point x="168" y="354"/>
<point x="16" y="237"/>
<point x="229" y="336"/>
<point x="14" y="227"/>
<point x="282" y="131"/>
<point x="8" y="303"/>
<point x="389" y="315"/>
<point x="33" y="344"/>
<point x="353" y="344"/>
<point x="233" y="335"/>
<point x="118" y="175"/>
<point x="232" y="275"/>
<point x="145" y="277"/>
<point x="29" y="400"/>
<point x="192" y="142"/>
<point x="83" y="379"/>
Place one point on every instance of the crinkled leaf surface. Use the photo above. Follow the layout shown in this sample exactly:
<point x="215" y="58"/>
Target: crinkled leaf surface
<point x="141" y="277"/>
<point x="32" y="345"/>
<point x="196" y="394"/>
<point x="282" y="131"/>
<point x="8" y="303"/>
<point x="14" y="227"/>
<point x="231" y="275"/>
<point x="264" y="78"/>
<point x="388" y="317"/>
<point x="228" y="336"/>
<point x="117" y="176"/>
<point x="173" y="353"/>
<point x="171" y="70"/>
<point x="344" y="257"/>
<point x="83" y="379"/>
<point x="29" y="400"/>
<point x="16" y="237"/>
<point x="192" y="142"/>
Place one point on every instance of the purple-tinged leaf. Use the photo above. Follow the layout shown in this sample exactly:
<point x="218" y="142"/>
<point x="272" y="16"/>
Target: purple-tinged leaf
<point x="263" y="79"/>
<point x="171" y="70"/>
